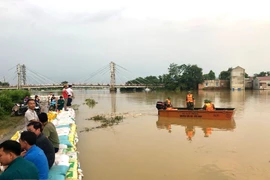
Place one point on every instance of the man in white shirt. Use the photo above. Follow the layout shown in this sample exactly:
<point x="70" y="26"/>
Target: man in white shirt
<point x="70" y="95"/>
<point x="30" y="114"/>
<point x="70" y="91"/>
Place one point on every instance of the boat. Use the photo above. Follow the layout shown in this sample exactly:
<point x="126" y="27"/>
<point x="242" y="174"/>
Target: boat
<point x="198" y="113"/>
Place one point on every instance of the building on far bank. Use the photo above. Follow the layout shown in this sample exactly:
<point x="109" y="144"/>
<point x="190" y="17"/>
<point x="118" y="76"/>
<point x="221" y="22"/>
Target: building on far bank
<point x="214" y="84"/>
<point x="237" y="81"/>
<point x="261" y="83"/>
<point x="249" y="83"/>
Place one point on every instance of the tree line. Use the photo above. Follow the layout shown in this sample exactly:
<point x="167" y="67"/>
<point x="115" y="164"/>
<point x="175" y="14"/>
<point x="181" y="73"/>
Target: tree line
<point x="184" y="77"/>
<point x="4" y="83"/>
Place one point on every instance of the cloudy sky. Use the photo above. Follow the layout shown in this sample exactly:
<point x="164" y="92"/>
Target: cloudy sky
<point x="76" y="40"/>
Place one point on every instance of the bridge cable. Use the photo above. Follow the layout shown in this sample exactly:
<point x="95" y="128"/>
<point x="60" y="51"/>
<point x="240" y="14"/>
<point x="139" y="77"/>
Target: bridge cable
<point x="81" y="79"/>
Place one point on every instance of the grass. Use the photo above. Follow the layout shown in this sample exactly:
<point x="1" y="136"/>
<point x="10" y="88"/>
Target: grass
<point x="90" y="102"/>
<point x="10" y="122"/>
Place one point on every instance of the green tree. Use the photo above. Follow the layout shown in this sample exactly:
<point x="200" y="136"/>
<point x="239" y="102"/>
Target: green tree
<point x="191" y="77"/>
<point x="64" y="82"/>
<point x="212" y="75"/>
<point x="261" y="74"/>
<point x="225" y="75"/>
<point x="246" y="75"/>
<point x="4" y="83"/>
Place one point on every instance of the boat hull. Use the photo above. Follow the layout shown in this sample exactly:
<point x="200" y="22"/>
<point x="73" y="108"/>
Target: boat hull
<point x="197" y="113"/>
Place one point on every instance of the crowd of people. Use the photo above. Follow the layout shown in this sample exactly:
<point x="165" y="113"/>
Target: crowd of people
<point x="64" y="101"/>
<point x="190" y="103"/>
<point x="34" y="154"/>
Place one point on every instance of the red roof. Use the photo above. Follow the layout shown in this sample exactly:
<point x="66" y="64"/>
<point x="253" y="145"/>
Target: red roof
<point x="264" y="78"/>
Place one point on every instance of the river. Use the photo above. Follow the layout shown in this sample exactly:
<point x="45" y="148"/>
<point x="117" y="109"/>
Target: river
<point x="146" y="147"/>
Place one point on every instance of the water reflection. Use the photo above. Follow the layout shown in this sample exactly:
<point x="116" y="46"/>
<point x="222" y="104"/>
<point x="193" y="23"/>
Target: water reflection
<point x="207" y="126"/>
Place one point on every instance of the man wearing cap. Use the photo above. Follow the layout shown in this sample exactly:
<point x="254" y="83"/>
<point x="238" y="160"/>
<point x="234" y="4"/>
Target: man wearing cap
<point x="190" y="101"/>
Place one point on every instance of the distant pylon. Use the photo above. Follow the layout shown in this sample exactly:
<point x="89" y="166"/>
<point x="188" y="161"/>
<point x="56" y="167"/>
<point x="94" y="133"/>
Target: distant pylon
<point x="19" y="76"/>
<point x="112" y="69"/>
<point x="23" y="70"/>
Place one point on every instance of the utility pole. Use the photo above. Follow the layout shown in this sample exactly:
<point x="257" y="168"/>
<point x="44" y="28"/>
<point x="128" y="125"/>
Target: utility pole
<point x="19" y="76"/>
<point x="112" y="85"/>
<point x="23" y="69"/>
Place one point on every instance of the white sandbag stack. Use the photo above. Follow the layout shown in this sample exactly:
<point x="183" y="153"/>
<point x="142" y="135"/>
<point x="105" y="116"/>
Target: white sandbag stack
<point x="67" y="157"/>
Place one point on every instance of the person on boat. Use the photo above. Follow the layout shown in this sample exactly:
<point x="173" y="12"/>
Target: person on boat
<point x="190" y="101"/>
<point x="208" y="105"/>
<point x="168" y="103"/>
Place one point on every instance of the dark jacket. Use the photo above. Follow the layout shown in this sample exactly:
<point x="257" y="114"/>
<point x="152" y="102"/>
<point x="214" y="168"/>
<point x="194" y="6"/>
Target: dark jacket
<point x="45" y="144"/>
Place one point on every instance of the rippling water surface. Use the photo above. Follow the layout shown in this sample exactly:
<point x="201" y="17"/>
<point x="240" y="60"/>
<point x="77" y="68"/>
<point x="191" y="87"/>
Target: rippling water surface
<point x="146" y="147"/>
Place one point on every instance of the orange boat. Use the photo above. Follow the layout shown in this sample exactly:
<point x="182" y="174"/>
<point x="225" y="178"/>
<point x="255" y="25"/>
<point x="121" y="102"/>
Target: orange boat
<point x="198" y="113"/>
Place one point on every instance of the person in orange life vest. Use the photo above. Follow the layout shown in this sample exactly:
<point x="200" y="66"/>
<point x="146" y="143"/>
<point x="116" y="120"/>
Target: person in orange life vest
<point x="208" y="106"/>
<point x="207" y="131"/>
<point x="168" y="103"/>
<point x="190" y="101"/>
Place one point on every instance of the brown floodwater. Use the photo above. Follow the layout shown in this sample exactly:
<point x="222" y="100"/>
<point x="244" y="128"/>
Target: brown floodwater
<point x="146" y="147"/>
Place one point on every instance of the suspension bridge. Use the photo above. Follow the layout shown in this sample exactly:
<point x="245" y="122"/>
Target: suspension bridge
<point x="30" y="79"/>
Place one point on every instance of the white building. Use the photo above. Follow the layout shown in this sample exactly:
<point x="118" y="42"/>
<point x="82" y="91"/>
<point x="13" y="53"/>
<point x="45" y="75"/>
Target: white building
<point x="237" y="81"/>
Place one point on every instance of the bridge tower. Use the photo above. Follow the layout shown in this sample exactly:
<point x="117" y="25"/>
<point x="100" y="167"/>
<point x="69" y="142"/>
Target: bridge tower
<point x="112" y="69"/>
<point x="23" y="71"/>
<point x="19" y="76"/>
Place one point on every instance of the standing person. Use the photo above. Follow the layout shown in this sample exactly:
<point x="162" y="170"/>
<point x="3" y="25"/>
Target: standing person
<point x="190" y="101"/>
<point x="60" y="103"/>
<point x="17" y="166"/>
<point x="30" y="114"/>
<point x="42" y="141"/>
<point x="70" y="91"/>
<point x="70" y="95"/>
<point x="65" y="96"/>
<point x="34" y="154"/>
<point x="49" y="131"/>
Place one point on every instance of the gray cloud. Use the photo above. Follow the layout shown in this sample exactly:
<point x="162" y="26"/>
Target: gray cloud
<point x="74" y="45"/>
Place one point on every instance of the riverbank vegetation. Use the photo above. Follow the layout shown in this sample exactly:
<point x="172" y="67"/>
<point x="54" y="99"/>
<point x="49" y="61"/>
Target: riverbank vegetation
<point x="8" y="98"/>
<point x="179" y="77"/>
<point x="90" y="102"/>
<point x="105" y="121"/>
<point x="183" y="77"/>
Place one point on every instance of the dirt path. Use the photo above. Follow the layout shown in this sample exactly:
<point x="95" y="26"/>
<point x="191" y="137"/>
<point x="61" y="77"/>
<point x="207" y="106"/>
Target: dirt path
<point x="8" y="135"/>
